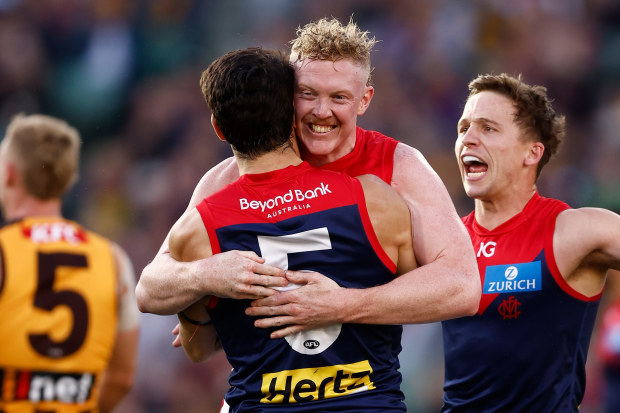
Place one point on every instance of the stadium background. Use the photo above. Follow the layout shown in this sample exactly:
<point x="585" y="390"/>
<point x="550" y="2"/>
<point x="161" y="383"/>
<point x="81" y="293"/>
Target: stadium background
<point x="125" y="72"/>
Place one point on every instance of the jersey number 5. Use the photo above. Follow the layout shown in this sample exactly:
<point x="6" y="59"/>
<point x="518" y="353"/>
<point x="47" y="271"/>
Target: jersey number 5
<point x="47" y="298"/>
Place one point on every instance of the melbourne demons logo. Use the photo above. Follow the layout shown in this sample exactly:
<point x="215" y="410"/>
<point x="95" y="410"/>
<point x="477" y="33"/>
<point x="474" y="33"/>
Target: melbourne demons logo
<point x="509" y="309"/>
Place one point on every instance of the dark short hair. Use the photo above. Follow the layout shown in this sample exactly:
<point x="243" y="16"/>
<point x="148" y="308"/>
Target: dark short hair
<point x="534" y="113"/>
<point x="250" y="93"/>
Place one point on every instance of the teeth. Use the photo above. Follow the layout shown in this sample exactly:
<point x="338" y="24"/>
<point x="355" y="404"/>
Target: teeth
<point x="467" y="159"/>
<point x="475" y="174"/>
<point x="321" y="128"/>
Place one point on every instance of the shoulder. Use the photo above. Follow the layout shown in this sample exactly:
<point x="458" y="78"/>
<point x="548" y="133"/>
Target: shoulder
<point x="582" y="231"/>
<point x="188" y="237"/>
<point x="414" y="178"/>
<point x="587" y="238"/>
<point x="215" y="179"/>
<point x="586" y="220"/>
<point x="405" y="154"/>
<point x="372" y="183"/>
<point x="377" y="192"/>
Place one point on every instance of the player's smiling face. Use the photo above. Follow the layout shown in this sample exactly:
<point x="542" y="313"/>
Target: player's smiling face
<point x="329" y="96"/>
<point x="489" y="147"/>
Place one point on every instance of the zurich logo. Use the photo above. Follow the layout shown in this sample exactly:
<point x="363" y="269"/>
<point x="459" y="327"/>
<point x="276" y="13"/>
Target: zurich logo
<point x="511" y="273"/>
<point x="513" y="278"/>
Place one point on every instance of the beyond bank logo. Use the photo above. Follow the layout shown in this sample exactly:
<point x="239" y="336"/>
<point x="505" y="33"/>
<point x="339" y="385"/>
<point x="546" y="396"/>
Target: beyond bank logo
<point x="512" y="278"/>
<point x="291" y="196"/>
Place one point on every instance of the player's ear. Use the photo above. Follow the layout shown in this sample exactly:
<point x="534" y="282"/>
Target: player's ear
<point x="9" y="174"/>
<point x="369" y="92"/>
<point x="217" y="129"/>
<point x="534" y="153"/>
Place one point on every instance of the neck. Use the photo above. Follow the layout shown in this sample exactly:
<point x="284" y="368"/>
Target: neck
<point x="32" y="207"/>
<point x="268" y="162"/>
<point x="491" y="213"/>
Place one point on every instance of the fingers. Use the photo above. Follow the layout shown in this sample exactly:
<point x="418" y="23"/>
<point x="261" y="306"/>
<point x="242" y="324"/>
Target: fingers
<point x="286" y="331"/>
<point x="177" y="339"/>
<point x="300" y="277"/>
<point x="272" y="322"/>
<point x="265" y="305"/>
<point x="270" y="270"/>
<point x="176" y="342"/>
<point x="273" y="279"/>
<point x="251" y="255"/>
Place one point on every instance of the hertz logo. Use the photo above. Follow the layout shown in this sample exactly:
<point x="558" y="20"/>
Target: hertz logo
<point x="305" y="385"/>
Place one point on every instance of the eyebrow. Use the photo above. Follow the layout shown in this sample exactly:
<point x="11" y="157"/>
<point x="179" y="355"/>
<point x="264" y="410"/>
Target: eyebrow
<point x="478" y="120"/>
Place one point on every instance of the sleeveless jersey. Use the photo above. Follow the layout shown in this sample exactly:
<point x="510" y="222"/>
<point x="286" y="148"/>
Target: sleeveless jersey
<point x="58" y="302"/>
<point x="373" y="154"/>
<point x="303" y="218"/>
<point x="525" y="350"/>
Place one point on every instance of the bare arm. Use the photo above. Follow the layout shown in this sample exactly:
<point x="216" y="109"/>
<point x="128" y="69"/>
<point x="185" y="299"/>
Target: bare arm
<point x="167" y="286"/>
<point x="391" y="222"/>
<point x="189" y="241"/>
<point x="586" y="243"/>
<point x="446" y="285"/>
<point x="119" y="376"/>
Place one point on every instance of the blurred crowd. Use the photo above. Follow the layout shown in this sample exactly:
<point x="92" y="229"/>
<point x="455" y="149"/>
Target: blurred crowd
<point x="125" y="73"/>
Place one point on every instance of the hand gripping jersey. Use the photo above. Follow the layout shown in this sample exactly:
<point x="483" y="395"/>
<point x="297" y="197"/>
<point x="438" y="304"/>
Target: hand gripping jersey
<point x="373" y="154"/>
<point x="525" y="350"/>
<point x="58" y="301"/>
<point x="303" y="218"/>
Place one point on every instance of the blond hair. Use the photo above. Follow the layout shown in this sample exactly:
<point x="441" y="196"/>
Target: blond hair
<point x="46" y="151"/>
<point x="331" y="40"/>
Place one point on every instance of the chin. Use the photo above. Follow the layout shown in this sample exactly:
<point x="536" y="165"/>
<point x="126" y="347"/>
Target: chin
<point x="318" y="147"/>
<point x="472" y="192"/>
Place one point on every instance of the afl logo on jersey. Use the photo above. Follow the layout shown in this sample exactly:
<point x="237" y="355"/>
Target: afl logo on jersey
<point x="314" y="341"/>
<point x="311" y="344"/>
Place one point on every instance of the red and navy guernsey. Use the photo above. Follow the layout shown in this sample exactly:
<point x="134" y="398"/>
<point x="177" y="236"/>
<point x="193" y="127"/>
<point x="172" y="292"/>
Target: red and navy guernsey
<point x="303" y="218"/>
<point x="525" y="350"/>
<point x="373" y="154"/>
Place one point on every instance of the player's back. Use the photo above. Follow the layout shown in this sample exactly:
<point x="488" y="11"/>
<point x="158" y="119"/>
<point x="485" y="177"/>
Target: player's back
<point x="302" y="218"/>
<point x="58" y="298"/>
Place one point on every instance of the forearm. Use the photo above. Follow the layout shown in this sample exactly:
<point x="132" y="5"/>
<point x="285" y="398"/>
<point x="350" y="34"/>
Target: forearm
<point x="112" y="392"/>
<point x="432" y="292"/>
<point x="167" y="286"/>
<point x="197" y="333"/>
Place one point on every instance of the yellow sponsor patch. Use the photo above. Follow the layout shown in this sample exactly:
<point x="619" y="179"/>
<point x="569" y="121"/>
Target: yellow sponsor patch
<point x="310" y="384"/>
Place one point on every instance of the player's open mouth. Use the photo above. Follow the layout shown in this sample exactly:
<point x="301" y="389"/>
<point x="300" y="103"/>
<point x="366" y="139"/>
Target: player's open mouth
<point x="474" y="166"/>
<point x="321" y="128"/>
